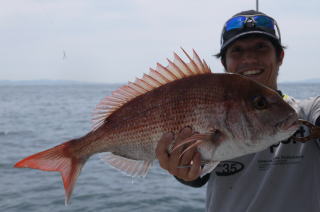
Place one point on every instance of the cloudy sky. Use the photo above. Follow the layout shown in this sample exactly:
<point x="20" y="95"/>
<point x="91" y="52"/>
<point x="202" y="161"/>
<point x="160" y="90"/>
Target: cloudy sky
<point x="118" y="40"/>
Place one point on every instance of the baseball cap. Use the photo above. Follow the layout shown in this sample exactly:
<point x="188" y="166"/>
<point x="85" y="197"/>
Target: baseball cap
<point x="247" y="23"/>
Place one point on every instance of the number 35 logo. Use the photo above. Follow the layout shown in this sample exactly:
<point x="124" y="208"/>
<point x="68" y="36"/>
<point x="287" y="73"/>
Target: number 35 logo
<point x="227" y="168"/>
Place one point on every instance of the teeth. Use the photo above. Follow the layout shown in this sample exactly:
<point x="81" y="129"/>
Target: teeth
<point x="251" y="72"/>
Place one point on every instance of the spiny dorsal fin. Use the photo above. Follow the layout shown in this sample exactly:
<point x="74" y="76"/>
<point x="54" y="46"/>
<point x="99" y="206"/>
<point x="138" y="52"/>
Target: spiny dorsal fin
<point x="162" y="75"/>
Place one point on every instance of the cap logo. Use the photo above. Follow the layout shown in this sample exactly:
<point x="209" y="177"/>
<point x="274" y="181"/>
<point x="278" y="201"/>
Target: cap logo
<point x="250" y="23"/>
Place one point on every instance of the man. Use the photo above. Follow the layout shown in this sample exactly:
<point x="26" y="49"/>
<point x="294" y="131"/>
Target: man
<point x="284" y="177"/>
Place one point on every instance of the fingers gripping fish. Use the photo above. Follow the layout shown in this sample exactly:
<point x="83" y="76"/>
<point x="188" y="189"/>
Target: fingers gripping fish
<point x="233" y="115"/>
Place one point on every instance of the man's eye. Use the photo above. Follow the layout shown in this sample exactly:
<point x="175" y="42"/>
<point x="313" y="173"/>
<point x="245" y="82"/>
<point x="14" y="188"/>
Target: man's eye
<point x="236" y="49"/>
<point x="261" y="46"/>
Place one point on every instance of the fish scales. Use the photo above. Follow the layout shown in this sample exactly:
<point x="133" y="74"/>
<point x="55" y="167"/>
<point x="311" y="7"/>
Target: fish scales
<point x="232" y="114"/>
<point x="143" y="117"/>
<point x="166" y="109"/>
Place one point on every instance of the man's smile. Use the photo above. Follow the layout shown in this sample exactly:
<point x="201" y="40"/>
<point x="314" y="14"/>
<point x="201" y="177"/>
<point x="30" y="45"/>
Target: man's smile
<point x="251" y="72"/>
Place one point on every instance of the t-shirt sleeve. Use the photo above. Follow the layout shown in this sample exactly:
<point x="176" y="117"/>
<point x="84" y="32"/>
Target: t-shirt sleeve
<point x="311" y="108"/>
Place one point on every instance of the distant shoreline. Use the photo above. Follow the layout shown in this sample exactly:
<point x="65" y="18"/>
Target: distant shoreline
<point x="53" y="82"/>
<point x="71" y="82"/>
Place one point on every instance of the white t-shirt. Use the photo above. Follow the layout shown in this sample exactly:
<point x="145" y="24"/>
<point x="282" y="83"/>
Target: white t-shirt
<point x="284" y="177"/>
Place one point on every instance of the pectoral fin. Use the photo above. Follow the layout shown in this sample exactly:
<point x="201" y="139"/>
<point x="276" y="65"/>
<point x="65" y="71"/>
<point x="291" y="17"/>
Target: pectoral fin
<point x="214" y="137"/>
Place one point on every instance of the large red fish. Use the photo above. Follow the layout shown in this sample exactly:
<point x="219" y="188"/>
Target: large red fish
<point x="233" y="115"/>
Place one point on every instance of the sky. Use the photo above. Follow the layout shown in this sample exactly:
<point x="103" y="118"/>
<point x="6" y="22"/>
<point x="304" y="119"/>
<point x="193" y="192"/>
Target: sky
<point x="114" y="41"/>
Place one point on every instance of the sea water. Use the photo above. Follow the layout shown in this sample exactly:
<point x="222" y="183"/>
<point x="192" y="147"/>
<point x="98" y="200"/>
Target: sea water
<point x="37" y="117"/>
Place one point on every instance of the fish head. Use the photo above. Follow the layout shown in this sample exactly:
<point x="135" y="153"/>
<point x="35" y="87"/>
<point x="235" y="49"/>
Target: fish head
<point x="263" y="118"/>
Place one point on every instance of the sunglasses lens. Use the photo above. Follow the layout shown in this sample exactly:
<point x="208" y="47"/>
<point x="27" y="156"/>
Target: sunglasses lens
<point x="239" y="21"/>
<point x="263" y="21"/>
<point x="235" y="23"/>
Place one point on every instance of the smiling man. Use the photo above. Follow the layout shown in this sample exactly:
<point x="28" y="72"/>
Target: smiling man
<point x="254" y="57"/>
<point x="284" y="177"/>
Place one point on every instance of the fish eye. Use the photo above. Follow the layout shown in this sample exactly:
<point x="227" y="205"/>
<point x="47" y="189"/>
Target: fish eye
<point x="260" y="102"/>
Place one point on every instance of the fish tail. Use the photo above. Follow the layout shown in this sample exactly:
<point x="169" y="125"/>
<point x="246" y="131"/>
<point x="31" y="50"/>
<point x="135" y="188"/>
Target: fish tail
<point x="58" y="159"/>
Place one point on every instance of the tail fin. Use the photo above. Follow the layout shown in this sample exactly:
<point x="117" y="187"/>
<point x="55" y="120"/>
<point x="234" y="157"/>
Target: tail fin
<point x="58" y="159"/>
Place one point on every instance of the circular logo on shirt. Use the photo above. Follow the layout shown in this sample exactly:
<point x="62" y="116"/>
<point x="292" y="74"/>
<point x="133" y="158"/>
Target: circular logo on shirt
<point x="226" y="168"/>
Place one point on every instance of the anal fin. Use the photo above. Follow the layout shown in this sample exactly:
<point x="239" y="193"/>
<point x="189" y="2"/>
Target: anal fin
<point x="130" y="167"/>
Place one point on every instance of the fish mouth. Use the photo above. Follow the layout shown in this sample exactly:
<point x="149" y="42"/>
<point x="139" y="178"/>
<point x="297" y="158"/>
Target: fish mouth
<point x="287" y="126"/>
<point x="290" y="123"/>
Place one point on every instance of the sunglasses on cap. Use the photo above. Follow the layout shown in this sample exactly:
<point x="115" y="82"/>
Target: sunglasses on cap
<point x="260" y="23"/>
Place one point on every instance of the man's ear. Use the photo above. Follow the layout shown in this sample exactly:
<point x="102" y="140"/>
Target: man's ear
<point x="223" y="62"/>
<point x="281" y="56"/>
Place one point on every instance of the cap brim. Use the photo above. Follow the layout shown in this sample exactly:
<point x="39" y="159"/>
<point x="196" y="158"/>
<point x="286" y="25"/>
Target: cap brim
<point x="243" y="34"/>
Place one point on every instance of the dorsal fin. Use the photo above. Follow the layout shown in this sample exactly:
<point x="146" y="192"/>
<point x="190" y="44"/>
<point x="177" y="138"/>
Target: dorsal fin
<point x="162" y="75"/>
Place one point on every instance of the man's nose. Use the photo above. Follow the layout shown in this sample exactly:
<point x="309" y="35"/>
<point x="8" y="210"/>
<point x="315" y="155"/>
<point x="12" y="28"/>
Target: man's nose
<point x="249" y="56"/>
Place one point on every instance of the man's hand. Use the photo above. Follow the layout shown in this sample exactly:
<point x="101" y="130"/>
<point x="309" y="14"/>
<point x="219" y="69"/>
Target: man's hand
<point x="172" y="161"/>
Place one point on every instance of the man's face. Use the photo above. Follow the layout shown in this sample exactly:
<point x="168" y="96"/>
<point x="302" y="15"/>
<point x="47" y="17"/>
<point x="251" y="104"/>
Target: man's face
<point x="254" y="57"/>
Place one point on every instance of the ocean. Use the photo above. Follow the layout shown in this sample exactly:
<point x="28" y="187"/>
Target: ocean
<point x="37" y="117"/>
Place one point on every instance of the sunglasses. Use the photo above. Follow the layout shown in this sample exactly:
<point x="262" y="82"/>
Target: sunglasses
<point x="240" y="22"/>
<point x="258" y="22"/>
